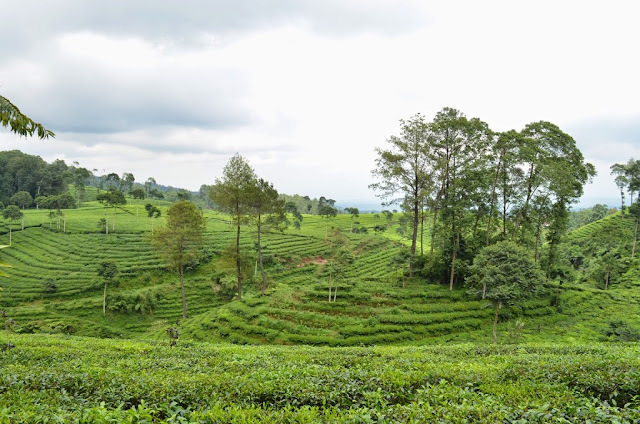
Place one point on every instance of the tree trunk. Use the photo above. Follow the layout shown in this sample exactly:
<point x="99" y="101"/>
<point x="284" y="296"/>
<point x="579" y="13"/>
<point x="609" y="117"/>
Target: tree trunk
<point x="558" y="293"/>
<point x="606" y="281"/>
<point x="504" y="217"/>
<point x="184" y="296"/>
<point x="238" y="267"/>
<point x="113" y="224"/>
<point x="329" y="284"/>
<point x="264" y="278"/>
<point x="635" y="238"/>
<point x="492" y="204"/>
<point x="521" y="218"/>
<point x="104" y="299"/>
<point x="495" y="323"/>
<point x="484" y="289"/>
<point x="435" y="221"/>
<point x="10" y="236"/>
<point x="422" y="230"/>
<point x="453" y="260"/>
<point x="535" y="253"/>
<point x="453" y="268"/>
<point x="414" y="236"/>
<point x="433" y="233"/>
<point x="335" y="292"/>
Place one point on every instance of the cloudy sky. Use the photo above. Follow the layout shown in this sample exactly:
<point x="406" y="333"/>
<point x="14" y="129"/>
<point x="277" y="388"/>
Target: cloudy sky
<point x="305" y="90"/>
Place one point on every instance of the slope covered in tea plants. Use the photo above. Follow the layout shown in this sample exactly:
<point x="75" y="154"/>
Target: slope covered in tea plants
<point x="54" y="287"/>
<point x="79" y="379"/>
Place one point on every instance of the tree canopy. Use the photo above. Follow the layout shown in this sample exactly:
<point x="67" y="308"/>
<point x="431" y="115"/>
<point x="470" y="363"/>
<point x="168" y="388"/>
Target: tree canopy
<point x="504" y="273"/>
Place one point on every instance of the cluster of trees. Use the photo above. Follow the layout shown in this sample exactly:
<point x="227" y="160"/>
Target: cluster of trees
<point x="248" y="199"/>
<point x="20" y="172"/>
<point x="480" y="186"/>
<point x="627" y="179"/>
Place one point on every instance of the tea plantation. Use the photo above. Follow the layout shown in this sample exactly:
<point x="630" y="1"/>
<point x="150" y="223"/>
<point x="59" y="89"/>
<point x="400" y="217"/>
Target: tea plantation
<point x="388" y="349"/>
<point x="75" y="379"/>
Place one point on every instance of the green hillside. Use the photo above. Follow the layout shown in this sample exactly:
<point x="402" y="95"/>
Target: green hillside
<point x="53" y="287"/>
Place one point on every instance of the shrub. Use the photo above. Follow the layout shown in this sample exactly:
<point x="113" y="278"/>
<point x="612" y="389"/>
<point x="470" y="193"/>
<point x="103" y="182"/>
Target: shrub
<point x="49" y="286"/>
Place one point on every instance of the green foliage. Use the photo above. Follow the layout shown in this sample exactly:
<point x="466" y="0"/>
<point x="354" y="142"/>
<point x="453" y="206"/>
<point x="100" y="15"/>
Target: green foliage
<point x="12" y="212"/>
<point x="108" y="270"/>
<point x="508" y="273"/>
<point x="143" y="302"/>
<point x="181" y="240"/>
<point x="214" y="383"/>
<point x="138" y="193"/>
<point x="35" y="176"/>
<point x="586" y="216"/>
<point x="22" y="199"/>
<point x="49" y="286"/>
<point x="10" y="116"/>
<point x="621" y="331"/>
<point x="504" y="274"/>
<point x="152" y="211"/>
<point x="112" y="198"/>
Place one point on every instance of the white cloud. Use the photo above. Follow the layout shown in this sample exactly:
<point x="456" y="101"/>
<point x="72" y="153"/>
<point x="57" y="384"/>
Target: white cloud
<point x="307" y="90"/>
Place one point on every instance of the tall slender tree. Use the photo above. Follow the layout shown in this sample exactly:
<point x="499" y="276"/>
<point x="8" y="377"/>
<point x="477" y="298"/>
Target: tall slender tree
<point x="460" y="148"/>
<point x="266" y="209"/>
<point x="404" y="171"/>
<point x="181" y="240"/>
<point x="232" y="194"/>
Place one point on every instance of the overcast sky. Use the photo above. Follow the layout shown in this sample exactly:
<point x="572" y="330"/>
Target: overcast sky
<point x="306" y="90"/>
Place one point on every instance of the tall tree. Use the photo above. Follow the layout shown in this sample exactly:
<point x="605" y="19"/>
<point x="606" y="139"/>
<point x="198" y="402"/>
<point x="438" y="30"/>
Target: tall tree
<point x="634" y="211"/>
<point x="12" y="213"/>
<point x="80" y="177"/>
<point x="266" y="208"/>
<point x="148" y="185"/>
<point x="152" y="212"/>
<point x="112" y="198"/>
<point x="627" y="179"/>
<point x="354" y="212"/>
<point x="404" y="170"/>
<point x="460" y="148"/>
<point x="232" y="194"/>
<point x="327" y="212"/>
<point x="22" y="199"/>
<point x="108" y="271"/>
<point x="554" y="168"/>
<point x="126" y="182"/>
<point x="181" y="240"/>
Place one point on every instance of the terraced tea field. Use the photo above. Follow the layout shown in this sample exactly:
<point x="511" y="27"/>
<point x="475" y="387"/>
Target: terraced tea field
<point x="87" y="380"/>
<point x="371" y="306"/>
